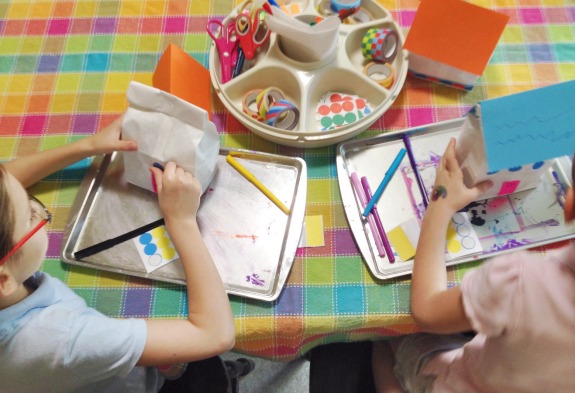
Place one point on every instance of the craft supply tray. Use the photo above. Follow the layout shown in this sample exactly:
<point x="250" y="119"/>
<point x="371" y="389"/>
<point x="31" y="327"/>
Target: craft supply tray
<point x="252" y="242"/>
<point x="304" y="83"/>
<point x="516" y="221"/>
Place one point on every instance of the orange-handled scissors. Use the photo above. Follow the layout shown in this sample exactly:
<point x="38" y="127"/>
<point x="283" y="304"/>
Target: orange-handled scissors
<point x="252" y="32"/>
<point x="226" y="43"/>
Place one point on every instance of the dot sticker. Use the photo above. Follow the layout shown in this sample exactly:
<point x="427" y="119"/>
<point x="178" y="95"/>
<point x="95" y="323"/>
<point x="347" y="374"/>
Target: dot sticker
<point x="349" y="117"/>
<point x="347" y="106"/>
<point x="323" y="110"/>
<point x="164" y="242"/>
<point x="335" y="108"/>
<point x="150" y="249"/>
<point x="168" y="252"/>
<point x="454" y="246"/>
<point x="145" y="238"/>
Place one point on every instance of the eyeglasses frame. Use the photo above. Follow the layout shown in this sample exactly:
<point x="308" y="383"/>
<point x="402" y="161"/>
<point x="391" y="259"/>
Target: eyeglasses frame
<point x="23" y="241"/>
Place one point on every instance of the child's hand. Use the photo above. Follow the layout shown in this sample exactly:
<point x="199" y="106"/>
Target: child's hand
<point x="107" y="140"/>
<point x="449" y="190"/>
<point x="178" y="191"/>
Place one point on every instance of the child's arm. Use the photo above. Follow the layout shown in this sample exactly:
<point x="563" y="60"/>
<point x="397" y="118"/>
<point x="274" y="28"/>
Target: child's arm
<point x="34" y="167"/>
<point x="434" y="307"/>
<point x="209" y="328"/>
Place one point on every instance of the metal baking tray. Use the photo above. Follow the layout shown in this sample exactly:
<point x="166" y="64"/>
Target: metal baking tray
<point x="521" y="220"/>
<point x="252" y="242"/>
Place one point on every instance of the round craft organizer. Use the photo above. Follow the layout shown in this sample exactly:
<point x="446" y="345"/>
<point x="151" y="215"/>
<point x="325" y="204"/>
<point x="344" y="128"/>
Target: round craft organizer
<point x="304" y="84"/>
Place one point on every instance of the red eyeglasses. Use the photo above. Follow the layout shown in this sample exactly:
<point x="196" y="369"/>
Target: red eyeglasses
<point x="39" y="211"/>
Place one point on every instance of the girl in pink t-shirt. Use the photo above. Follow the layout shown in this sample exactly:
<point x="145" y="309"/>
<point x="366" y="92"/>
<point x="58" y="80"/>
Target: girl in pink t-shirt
<point x="521" y="307"/>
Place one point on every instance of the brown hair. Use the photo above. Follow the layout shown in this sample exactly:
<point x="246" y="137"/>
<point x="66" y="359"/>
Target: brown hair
<point x="7" y="214"/>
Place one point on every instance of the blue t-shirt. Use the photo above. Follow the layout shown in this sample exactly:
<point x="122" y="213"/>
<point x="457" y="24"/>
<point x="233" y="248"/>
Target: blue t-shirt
<point x="52" y="341"/>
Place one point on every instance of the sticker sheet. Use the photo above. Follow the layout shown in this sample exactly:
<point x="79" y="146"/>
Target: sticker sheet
<point x="155" y="248"/>
<point x="338" y="109"/>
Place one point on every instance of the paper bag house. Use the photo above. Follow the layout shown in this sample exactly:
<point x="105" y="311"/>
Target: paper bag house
<point x="510" y="140"/>
<point x="167" y="128"/>
<point x="451" y="41"/>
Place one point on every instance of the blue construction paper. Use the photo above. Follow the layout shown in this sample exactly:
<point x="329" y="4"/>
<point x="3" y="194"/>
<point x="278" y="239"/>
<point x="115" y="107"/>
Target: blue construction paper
<point x="529" y="127"/>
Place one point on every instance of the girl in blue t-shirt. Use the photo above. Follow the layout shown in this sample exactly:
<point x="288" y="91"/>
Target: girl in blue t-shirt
<point x="46" y="331"/>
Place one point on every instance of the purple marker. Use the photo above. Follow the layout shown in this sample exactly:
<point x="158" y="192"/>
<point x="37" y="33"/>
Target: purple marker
<point x="413" y="163"/>
<point x="370" y="219"/>
<point x="378" y="223"/>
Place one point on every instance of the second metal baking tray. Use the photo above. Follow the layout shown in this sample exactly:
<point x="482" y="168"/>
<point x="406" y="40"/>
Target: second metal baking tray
<point x="252" y="242"/>
<point x="517" y="221"/>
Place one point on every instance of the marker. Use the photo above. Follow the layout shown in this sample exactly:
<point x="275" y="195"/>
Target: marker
<point x="386" y="178"/>
<point x="371" y="219"/>
<point x="413" y="163"/>
<point x="106" y="244"/>
<point x="249" y="176"/>
<point x="239" y="63"/>
<point x="561" y="191"/>
<point x="154" y="185"/>
<point x="378" y="224"/>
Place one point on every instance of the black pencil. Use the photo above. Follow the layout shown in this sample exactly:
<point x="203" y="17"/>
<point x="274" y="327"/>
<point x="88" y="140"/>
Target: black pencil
<point x="106" y="244"/>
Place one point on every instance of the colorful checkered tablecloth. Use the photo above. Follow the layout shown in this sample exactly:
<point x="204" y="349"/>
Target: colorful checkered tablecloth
<point x="64" y="71"/>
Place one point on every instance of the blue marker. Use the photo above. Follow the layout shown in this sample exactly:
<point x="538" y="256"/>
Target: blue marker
<point x="158" y="165"/>
<point x="388" y="175"/>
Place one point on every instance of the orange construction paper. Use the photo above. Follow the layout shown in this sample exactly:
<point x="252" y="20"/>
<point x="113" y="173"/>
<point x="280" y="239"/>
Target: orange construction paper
<point x="455" y="33"/>
<point x="181" y="75"/>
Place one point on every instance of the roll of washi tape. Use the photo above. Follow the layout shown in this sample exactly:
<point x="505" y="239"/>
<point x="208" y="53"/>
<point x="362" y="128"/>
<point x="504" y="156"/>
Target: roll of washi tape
<point x="380" y="44"/>
<point x="339" y="5"/>
<point x="249" y="103"/>
<point x="382" y="73"/>
<point x="282" y="114"/>
<point x="266" y="98"/>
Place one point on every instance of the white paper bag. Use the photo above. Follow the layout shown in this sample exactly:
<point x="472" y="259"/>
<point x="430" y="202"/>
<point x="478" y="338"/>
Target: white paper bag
<point x="167" y="128"/>
<point x="472" y="159"/>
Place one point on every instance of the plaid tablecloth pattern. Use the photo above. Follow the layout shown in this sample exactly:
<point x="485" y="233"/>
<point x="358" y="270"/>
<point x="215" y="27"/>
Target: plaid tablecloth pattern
<point x="64" y="71"/>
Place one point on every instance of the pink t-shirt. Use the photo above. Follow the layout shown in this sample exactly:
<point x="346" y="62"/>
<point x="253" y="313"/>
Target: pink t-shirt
<point x="522" y="306"/>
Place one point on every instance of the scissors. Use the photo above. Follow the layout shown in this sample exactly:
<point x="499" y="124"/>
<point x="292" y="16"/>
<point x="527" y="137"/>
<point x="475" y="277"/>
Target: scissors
<point x="226" y="43"/>
<point x="252" y="32"/>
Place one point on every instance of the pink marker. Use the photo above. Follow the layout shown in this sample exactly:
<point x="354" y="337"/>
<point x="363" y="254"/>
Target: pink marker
<point x="370" y="219"/>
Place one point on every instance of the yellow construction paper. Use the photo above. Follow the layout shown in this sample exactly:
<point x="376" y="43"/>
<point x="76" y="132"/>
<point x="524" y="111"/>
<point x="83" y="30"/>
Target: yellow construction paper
<point x="314" y="231"/>
<point x="401" y="243"/>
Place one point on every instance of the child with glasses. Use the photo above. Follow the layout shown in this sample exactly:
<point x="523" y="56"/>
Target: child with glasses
<point x="50" y="341"/>
<point x="521" y="307"/>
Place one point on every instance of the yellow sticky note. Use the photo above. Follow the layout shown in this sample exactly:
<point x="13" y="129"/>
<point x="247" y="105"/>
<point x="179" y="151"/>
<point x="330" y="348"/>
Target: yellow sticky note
<point x="401" y="243"/>
<point x="314" y="231"/>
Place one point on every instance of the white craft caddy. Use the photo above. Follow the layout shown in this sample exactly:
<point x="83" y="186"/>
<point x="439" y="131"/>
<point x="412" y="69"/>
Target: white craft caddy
<point x="304" y="84"/>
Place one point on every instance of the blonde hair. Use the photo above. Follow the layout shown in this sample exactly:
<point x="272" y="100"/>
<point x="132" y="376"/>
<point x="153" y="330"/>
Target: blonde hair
<point x="7" y="214"/>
